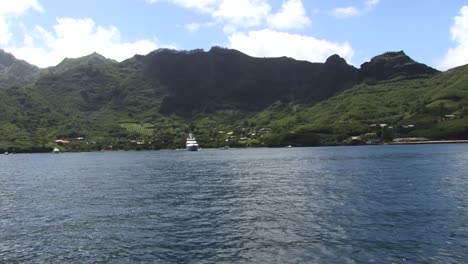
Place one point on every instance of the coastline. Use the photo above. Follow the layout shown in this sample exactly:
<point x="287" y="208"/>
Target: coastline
<point x="430" y="142"/>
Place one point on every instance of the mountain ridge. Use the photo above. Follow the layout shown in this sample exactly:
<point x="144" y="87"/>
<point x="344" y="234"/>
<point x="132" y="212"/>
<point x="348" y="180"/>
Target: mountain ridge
<point x="160" y="96"/>
<point x="390" y="65"/>
<point x="70" y="63"/>
<point x="14" y="71"/>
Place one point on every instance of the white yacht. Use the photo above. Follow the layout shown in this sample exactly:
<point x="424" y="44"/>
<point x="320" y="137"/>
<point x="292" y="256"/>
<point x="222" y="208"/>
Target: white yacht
<point x="191" y="144"/>
<point x="56" y="150"/>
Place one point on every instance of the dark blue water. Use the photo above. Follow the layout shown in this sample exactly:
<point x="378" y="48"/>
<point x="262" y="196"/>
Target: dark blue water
<point x="379" y="204"/>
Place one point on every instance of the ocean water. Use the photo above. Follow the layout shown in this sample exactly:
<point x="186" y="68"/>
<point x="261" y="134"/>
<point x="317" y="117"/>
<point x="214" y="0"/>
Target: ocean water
<point x="375" y="204"/>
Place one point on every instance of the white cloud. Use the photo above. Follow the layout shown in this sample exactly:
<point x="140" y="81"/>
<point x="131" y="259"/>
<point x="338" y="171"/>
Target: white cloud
<point x="5" y="35"/>
<point x="458" y="55"/>
<point x="10" y="10"/>
<point x="241" y="14"/>
<point x="232" y="14"/>
<point x="192" y="27"/>
<point x="235" y="16"/>
<point x="75" y="38"/>
<point x="351" y="11"/>
<point x="370" y="4"/>
<point x="271" y="43"/>
<point x="18" y="7"/>
<point x="343" y="12"/>
<point x="292" y="15"/>
<point x="200" y="5"/>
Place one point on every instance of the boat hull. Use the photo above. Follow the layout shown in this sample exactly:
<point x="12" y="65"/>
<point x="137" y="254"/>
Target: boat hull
<point x="192" y="148"/>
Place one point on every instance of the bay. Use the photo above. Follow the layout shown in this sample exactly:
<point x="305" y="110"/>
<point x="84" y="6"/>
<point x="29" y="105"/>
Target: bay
<point x="373" y="204"/>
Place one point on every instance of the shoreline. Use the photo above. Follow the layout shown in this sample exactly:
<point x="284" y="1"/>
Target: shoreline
<point x="430" y="142"/>
<point x="435" y="142"/>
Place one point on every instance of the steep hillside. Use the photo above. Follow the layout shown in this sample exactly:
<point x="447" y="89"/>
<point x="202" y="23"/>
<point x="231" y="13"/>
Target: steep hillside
<point x="227" y="97"/>
<point x="72" y="63"/>
<point x="434" y="108"/>
<point x="227" y="78"/>
<point x="14" y="71"/>
<point x="393" y="65"/>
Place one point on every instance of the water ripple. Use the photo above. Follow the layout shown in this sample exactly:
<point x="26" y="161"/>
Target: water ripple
<point x="384" y="204"/>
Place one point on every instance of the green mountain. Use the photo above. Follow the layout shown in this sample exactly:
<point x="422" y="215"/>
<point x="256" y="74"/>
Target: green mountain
<point x="14" y="71"/>
<point x="72" y="63"/>
<point x="393" y="65"/>
<point x="431" y="107"/>
<point x="220" y="78"/>
<point x="227" y="97"/>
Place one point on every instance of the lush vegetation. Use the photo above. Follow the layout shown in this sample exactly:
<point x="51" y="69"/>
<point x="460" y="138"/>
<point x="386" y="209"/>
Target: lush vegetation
<point x="13" y="71"/>
<point x="434" y="108"/>
<point x="227" y="98"/>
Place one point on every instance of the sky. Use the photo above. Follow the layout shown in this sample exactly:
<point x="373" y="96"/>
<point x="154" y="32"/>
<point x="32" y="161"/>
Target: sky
<point x="44" y="32"/>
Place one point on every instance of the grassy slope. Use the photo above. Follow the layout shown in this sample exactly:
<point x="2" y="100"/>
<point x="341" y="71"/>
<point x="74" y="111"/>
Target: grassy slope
<point x="419" y="102"/>
<point x="112" y="103"/>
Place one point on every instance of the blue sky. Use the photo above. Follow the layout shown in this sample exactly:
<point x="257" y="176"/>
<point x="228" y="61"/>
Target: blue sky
<point x="43" y="32"/>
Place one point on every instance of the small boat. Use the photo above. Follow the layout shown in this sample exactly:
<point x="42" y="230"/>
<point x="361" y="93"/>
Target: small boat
<point x="56" y="150"/>
<point x="191" y="143"/>
<point x="6" y="153"/>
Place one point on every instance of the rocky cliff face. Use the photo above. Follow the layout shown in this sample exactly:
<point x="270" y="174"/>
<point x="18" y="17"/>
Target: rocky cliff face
<point x="229" y="77"/>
